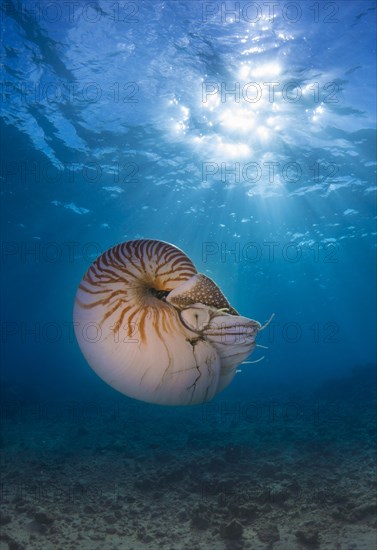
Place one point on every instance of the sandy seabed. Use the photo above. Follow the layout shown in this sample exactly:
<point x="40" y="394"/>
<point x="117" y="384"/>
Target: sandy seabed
<point x="264" y="472"/>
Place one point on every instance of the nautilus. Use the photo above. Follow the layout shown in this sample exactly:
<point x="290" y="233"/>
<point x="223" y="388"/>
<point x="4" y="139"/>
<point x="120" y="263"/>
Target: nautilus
<point x="155" y="329"/>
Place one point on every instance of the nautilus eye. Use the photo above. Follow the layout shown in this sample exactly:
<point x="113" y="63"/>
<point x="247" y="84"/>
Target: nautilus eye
<point x="155" y="329"/>
<point x="196" y="318"/>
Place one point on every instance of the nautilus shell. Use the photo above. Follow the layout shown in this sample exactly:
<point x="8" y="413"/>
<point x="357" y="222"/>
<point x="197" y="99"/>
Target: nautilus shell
<point x="155" y="329"/>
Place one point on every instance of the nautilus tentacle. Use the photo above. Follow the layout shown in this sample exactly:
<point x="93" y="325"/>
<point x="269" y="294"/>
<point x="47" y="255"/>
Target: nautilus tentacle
<point x="155" y="329"/>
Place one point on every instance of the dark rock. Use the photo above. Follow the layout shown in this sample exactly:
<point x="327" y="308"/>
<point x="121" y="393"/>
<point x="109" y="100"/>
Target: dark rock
<point x="339" y="514"/>
<point x="174" y="475"/>
<point x="269" y="533"/>
<point x="198" y="521"/>
<point x="363" y="511"/>
<point x="182" y="515"/>
<point x="78" y="488"/>
<point x="308" y="534"/>
<point x="146" y="484"/>
<point x="165" y="457"/>
<point x="199" y="517"/>
<point x="216" y="465"/>
<point x="222" y="499"/>
<point x="110" y="519"/>
<point x="278" y="495"/>
<point x="44" y="517"/>
<point x="88" y="509"/>
<point x="233" y="453"/>
<point x="143" y="536"/>
<point x="247" y="511"/>
<point x="36" y="527"/>
<point x="12" y="544"/>
<point x="5" y="519"/>
<point x="263" y="497"/>
<point x="269" y="469"/>
<point x="67" y="510"/>
<point x="22" y="507"/>
<point x="96" y="536"/>
<point x="231" y="531"/>
<point x="265" y="508"/>
<point x="294" y="488"/>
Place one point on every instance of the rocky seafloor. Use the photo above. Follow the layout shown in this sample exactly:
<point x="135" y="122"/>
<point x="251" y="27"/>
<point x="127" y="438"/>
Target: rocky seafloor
<point x="278" y="471"/>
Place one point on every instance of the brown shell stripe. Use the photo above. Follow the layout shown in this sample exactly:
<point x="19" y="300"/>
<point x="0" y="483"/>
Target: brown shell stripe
<point x="133" y="266"/>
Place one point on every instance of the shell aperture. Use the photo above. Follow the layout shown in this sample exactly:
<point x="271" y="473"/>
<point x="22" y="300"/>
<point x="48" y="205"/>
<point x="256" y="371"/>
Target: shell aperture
<point x="155" y="329"/>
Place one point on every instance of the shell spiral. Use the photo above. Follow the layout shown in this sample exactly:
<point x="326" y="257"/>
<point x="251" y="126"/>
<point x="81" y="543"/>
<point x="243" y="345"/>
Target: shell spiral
<point x="155" y="329"/>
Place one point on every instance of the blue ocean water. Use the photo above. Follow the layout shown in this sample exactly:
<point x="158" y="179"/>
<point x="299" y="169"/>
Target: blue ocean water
<point x="244" y="134"/>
